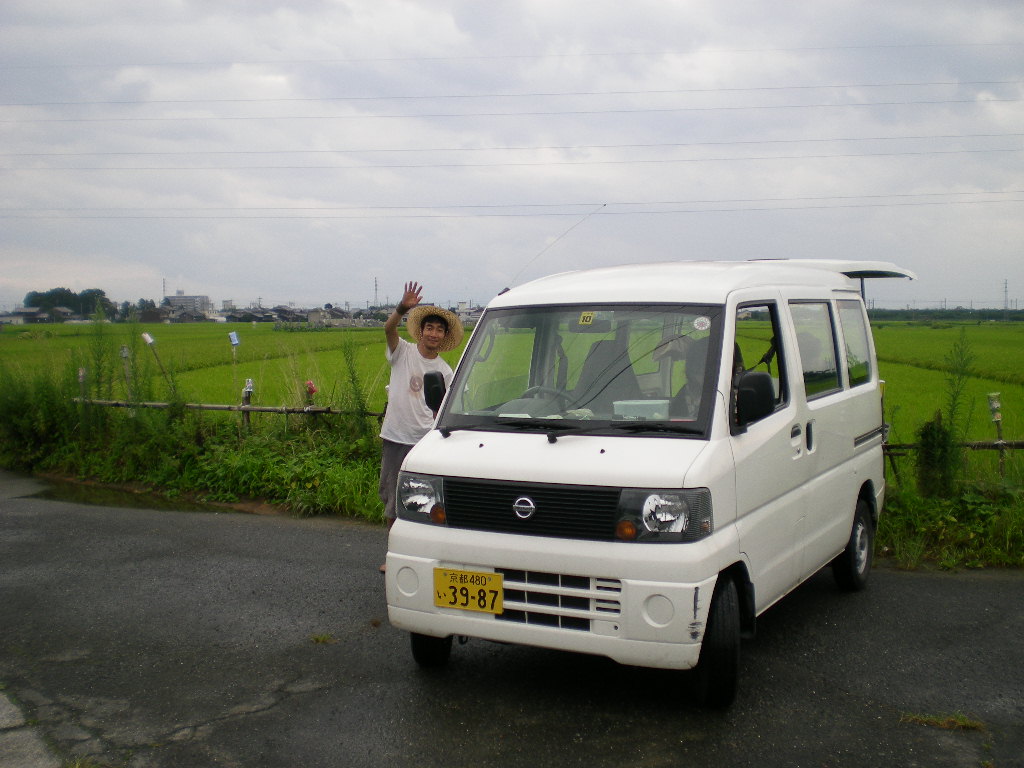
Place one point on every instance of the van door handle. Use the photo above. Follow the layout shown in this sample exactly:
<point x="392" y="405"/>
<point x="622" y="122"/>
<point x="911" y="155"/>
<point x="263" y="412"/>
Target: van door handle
<point x="795" y="432"/>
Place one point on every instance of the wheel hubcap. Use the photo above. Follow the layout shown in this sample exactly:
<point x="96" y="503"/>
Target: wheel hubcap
<point x="860" y="551"/>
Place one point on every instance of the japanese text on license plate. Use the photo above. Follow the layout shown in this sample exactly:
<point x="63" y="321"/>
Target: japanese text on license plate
<point x="468" y="590"/>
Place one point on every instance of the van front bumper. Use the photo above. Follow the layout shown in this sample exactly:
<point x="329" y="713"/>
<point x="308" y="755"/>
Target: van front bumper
<point x="618" y="600"/>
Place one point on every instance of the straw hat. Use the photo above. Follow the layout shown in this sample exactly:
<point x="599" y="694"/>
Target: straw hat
<point x="415" y="320"/>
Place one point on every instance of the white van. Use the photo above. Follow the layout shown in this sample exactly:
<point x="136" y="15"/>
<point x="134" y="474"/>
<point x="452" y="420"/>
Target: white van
<point x="637" y="461"/>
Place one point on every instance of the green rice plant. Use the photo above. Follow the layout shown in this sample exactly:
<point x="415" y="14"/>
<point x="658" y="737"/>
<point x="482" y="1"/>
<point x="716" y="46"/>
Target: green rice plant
<point x="999" y="347"/>
<point x="913" y="395"/>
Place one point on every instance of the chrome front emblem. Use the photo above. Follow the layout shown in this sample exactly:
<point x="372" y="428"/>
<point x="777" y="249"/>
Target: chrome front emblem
<point x="524" y="507"/>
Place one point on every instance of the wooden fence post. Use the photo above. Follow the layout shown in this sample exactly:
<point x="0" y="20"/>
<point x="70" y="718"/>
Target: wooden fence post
<point x="246" y="400"/>
<point x="997" y="417"/>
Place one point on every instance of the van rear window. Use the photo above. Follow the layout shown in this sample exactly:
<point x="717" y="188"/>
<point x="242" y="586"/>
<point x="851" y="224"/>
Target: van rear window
<point x="816" y="342"/>
<point x="855" y="342"/>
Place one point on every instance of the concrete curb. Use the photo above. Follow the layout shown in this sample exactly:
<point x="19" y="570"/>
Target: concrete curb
<point x="21" y="746"/>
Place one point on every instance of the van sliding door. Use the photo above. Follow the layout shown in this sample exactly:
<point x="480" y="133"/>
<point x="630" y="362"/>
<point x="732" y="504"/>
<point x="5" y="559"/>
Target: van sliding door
<point x="769" y="457"/>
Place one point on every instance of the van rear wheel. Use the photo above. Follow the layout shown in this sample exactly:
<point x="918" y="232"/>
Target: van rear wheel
<point x="853" y="565"/>
<point x="430" y="652"/>
<point x="717" y="670"/>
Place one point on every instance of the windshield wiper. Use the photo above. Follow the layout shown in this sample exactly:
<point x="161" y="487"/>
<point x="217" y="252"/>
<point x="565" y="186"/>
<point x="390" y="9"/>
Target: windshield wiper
<point x="554" y="428"/>
<point x="550" y="426"/>
<point x="656" y="426"/>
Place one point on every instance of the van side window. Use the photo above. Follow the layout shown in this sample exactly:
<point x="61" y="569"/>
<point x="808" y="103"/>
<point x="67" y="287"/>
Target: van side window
<point x="855" y="336"/>
<point x="816" y="342"/>
<point x="756" y="345"/>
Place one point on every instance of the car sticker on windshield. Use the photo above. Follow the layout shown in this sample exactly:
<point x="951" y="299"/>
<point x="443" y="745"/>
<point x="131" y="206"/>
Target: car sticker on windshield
<point x="586" y="318"/>
<point x="702" y="323"/>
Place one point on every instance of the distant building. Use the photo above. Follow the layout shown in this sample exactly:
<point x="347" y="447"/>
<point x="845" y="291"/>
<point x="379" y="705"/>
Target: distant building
<point x="34" y="315"/>
<point x="468" y="314"/>
<point x="288" y="315"/>
<point x="179" y="301"/>
<point x="329" y="317"/>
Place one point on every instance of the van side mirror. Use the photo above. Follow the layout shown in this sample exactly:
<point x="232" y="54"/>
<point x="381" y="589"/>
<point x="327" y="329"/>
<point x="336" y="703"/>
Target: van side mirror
<point x="433" y="390"/>
<point x="755" y="397"/>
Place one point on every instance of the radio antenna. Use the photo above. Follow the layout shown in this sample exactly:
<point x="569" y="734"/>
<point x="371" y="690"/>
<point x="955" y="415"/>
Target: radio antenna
<point x="554" y="242"/>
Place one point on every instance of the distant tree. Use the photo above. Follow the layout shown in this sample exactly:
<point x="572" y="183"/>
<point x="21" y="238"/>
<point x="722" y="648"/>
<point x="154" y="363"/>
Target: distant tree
<point x="84" y="303"/>
<point x="328" y="306"/>
<point x="125" y="310"/>
<point x="55" y="297"/>
<point x="143" y="304"/>
<point x="92" y="300"/>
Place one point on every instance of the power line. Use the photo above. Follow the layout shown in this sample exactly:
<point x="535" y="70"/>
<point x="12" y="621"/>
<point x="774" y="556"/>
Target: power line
<point x="533" y="113"/>
<point x="523" y="148"/>
<point x="500" y="57"/>
<point x="578" y="204"/>
<point x="538" y="94"/>
<point x="490" y="211"/>
<point x="543" y="164"/>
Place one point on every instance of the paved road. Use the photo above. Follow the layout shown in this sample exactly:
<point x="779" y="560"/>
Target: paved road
<point x="165" y="638"/>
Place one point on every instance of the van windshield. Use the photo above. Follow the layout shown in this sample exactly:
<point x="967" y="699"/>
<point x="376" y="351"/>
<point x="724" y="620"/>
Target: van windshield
<point x="620" y="369"/>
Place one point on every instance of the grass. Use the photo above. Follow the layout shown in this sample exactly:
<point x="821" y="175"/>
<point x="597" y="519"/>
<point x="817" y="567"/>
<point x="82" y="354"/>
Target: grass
<point x="976" y="528"/>
<point x="956" y="721"/>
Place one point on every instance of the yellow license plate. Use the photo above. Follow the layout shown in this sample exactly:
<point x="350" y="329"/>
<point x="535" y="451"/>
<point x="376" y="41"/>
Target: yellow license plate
<point x="468" y="590"/>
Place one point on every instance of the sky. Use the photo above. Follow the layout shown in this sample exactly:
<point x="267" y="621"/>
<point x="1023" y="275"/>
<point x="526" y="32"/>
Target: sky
<point x="317" y="151"/>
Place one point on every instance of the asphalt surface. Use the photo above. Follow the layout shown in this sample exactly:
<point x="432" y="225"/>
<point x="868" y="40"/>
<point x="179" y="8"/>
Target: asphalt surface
<point x="141" y="637"/>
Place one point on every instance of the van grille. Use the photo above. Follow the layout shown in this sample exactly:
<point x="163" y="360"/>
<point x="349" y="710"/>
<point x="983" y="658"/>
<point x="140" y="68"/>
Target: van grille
<point x="567" y="511"/>
<point x="558" y="600"/>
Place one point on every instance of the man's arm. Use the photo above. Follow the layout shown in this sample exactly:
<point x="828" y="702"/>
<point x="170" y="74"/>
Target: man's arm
<point x="412" y="296"/>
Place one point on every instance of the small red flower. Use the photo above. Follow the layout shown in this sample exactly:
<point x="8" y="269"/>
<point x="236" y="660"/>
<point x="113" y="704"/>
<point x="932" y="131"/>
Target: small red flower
<point x="311" y="388"/>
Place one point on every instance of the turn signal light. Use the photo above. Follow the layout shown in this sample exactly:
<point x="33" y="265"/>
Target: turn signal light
<point x="437" y="515"/>
<point x="626" y="530"/>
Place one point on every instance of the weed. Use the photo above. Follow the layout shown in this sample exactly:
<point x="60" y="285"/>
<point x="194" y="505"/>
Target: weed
<point x="976" y="527"/>
<point x="937" y="458"/>
<point x="325" y="638"/>
<point x="84" y="762"/>
<point x="957" y="721"/>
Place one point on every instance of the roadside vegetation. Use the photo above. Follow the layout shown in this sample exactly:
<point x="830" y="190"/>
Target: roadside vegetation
<point x="947" y="506"/>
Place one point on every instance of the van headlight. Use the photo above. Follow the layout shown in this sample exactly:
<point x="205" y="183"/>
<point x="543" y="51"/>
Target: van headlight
<point x="664" y="515"/>
<point x="421" y="498"/>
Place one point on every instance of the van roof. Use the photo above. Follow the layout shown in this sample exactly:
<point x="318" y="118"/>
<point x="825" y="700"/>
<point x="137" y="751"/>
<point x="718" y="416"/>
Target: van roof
<point x="691" y="281"/>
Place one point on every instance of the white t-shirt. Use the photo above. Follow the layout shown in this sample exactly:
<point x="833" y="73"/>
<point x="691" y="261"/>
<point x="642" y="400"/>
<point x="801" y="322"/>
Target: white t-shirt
<point x="407" y="417"/>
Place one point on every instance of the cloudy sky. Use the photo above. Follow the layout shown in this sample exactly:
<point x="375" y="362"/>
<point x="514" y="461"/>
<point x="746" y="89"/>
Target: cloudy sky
<point x="312" y="151"/>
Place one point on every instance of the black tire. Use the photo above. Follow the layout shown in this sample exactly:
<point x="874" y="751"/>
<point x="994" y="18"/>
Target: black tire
<point x="430" y="652"/>
<point x="717" y="671"/>
<point x="853" y="566"/>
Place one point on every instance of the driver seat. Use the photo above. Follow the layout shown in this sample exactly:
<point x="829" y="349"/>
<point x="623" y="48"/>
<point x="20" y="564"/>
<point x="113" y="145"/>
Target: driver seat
<point x="607" y="375"/>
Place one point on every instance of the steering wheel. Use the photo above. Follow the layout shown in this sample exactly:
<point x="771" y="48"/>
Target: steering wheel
<point x="554" y="393"/>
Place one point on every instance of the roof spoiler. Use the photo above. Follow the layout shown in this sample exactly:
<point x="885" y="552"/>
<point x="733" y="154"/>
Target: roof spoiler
<point x="850" y="268"/>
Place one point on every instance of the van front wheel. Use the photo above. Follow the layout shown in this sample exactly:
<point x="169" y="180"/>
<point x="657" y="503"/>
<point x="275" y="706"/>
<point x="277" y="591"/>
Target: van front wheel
<point x="430" y="651"/>
<point x="853" y="565"/>
<point x="717" y="669"/>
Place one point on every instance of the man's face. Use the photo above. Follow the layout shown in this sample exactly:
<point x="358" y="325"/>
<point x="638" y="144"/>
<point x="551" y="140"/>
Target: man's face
<point x="432" y="335"/>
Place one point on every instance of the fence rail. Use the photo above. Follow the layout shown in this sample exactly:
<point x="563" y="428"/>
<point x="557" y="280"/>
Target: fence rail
<point x="308" y="409"/>
<point x="981" y="445"/>
<point x="890" y="448"/>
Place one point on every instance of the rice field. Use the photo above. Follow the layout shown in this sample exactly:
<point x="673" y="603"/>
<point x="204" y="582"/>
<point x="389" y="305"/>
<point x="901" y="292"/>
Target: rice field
<point x="206" y="367"/>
